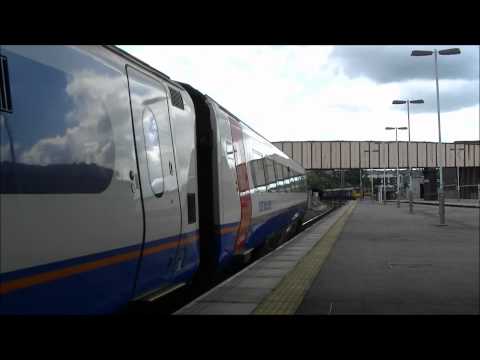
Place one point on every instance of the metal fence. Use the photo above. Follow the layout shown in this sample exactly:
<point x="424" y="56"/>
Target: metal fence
<point x="462" y="192"/>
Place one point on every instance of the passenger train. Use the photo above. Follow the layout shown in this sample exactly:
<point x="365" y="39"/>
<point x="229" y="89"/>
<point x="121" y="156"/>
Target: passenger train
<point x="119" y="184"/>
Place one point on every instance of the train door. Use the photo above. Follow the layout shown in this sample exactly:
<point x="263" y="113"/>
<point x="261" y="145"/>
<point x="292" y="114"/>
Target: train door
<point x="243" y="186"/>
<point x="158" y="182"/>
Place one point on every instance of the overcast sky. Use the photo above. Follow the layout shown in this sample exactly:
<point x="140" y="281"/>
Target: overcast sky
<point x="330" y="92"/>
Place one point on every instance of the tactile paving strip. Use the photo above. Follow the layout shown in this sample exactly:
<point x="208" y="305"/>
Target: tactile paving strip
<point x="288" y="295"/>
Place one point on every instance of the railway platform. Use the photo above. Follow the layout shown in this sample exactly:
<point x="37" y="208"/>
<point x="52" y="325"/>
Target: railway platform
<point x="363" y="258"/>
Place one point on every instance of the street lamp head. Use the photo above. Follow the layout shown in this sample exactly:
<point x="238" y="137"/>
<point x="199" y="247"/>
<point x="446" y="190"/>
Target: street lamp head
<point x="397" y="102"/>
<point x="420" y="101"/>
<point x="389" y="128"/>
<point x="421" y="52"/>
<point x="453" y="51"/>
<point x="403" y="128"/>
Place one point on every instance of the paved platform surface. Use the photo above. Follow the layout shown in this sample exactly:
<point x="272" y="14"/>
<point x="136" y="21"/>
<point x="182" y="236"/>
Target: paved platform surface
<point x="253" y="290"/>
<point x="386" y="261"/>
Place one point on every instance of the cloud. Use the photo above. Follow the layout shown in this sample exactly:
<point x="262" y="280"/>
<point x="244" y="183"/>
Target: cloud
<point x="454" y="95"/>
<point x="309" y="92"/>
<point x="385" y="64"/>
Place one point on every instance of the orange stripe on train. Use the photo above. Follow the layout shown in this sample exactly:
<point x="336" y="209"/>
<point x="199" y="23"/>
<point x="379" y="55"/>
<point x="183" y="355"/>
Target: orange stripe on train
<point x="49" y="276"/>
<point x="227" y="230"/>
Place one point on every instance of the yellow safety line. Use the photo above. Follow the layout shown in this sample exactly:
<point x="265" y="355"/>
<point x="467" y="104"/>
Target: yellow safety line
<point x="289" y="294"/>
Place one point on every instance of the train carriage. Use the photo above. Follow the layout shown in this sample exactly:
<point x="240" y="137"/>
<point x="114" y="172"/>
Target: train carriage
<point x="119" y="184"/>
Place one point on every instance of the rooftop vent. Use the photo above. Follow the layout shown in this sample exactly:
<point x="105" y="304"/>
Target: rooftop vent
<point x="177" y="100"/>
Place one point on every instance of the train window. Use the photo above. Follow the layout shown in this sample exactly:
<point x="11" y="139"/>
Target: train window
<point x="278" y="171"/>
<point x="294" y="183"/>
<point x="287" y="185"/>
<point x="296" y="179"/>
<point x="270" y="171"/>
<point x="285" y="179"/>
<point x="253" y="172"/>
<point x="152" y="148"/>
<point x="58" y="138"/>
<point x="279" y="174"/>
<point x="259" y="172"/>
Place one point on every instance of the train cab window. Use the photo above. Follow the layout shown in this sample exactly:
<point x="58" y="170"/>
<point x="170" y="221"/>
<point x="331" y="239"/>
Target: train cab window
<point x="270" y="172"/>
<point x="152" y="148"/>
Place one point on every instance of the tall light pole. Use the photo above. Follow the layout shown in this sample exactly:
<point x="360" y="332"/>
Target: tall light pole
<point x="398" y="175"/>
<point x="408" y="102"/>
<point x="453" y="51"/>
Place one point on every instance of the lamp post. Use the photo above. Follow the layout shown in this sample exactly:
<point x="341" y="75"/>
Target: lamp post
<point x="408" y="102"/>
<point x="398" y="176"/>
<point x="453" y="51"/>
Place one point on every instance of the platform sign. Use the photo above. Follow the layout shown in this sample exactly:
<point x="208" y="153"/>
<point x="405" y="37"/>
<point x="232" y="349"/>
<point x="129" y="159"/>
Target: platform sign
<point x="326" y="160"/>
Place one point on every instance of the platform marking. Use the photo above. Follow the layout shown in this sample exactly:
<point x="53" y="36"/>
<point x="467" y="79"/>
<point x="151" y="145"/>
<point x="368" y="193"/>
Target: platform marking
<point x="288" y="295"/>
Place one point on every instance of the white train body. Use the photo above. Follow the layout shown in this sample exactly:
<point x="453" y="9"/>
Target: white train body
<point x="100" y="198"/>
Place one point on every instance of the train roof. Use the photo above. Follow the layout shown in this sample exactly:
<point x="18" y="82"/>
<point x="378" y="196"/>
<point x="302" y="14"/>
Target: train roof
<point x="236" y="118"/>
<point x="140" y="63"/>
